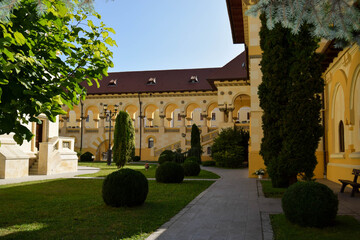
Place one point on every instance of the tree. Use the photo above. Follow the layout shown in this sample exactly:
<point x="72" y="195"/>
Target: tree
<point x="7" y="6"/>
<point x="331" y="19"/>
<point x="44" y="58"/>
<point x="289" y="96"/>
<point x="230" y="148"/>
<point x="124" y="139"/>
<point x="196" y="149"/>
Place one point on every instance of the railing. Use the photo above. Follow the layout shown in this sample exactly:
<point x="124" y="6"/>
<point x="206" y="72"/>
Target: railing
<point x="209" y="136"/>
<point x="172" y="129"/>
<point x="171" y="147"/>
<point x="245" y="126"/>
<point x="91" y="130"/>
<point x="61" y="143"/>
<point x="147" y="130"/>
<point x="212" y="129"/>
<point x="72" y="130"/>
<point x="50" y="153"/>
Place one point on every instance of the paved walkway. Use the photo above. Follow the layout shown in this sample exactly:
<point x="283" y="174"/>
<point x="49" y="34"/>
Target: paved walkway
<point x="229" y="209"/>
<point x="234" y="208"/>
<point x="81" y="170"/>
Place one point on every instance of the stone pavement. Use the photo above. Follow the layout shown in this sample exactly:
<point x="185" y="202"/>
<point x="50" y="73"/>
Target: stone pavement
<point x="234" y="208"/>
<point x="230" y="209"/>
<point x="347" y="205"/>
<point x="81" y="170"/>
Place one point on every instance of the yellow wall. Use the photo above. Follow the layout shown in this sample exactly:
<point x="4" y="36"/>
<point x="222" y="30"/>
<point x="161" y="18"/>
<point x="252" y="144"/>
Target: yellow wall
<point x="161" y="118"/>
<point x="342" y="104"/>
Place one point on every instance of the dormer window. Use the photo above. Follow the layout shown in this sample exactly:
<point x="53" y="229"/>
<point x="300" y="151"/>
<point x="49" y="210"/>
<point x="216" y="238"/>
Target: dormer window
<point x="112" y="83"/>
<point x="151" y="81"/>
<point x="243" y="64"/>
<point x="194" y="79"/>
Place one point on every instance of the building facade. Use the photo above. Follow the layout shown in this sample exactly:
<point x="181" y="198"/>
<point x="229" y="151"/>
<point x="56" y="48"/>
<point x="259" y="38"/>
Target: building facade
<point x="339" y="150"/>
<point x="45" y="154"/>
<point x="168" y="102"/>
<point x="163" y="106"/>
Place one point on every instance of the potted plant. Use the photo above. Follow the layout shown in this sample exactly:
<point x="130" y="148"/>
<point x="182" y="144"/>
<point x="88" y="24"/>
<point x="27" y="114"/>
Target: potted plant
<point x="260" y="173"/>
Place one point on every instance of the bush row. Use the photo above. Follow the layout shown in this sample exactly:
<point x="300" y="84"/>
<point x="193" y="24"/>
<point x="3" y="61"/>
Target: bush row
<point x="173" y="172"/>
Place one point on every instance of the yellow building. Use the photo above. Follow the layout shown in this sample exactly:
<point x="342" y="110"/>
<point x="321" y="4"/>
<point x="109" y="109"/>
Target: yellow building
<point x="339" y="151"/>
<point x="163" y="105"/>
<point x="170" y="101"/>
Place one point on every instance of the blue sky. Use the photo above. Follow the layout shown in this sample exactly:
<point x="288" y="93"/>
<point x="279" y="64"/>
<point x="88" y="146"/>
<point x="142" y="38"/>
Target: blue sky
<point x="168" y="34"/>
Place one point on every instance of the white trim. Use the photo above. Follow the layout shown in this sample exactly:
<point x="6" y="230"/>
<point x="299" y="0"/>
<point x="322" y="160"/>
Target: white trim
<point x="354" y="155"/>
<point x="338" y="155"/>
<point x="344" y="165"/>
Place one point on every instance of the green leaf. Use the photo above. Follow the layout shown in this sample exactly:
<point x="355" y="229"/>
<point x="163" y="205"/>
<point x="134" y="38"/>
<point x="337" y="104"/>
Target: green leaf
<point x="19" y="38"/>
<point x="104" y="34"/>
<point x="9" y="54"/>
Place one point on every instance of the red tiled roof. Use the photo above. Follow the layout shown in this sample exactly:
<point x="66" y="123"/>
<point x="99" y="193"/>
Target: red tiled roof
<point x="166" y="81"/>
<point x="236" y="69"/>
<point x="170" y="80"/>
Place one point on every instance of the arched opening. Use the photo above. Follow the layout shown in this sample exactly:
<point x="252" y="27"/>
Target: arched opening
<point x="101" y="152"/>
<point x="150" y="142"/>
<point x="172" y="116"/>
<point x="338" y="116"/>
<point x="132" y="110"/>
<point x="91" y="117"/>
<point x="212" y="114"/>
<point x="341" y="137"/>
<point x="242" y="109"/>
<point x="151" y="116"/>
<point x="191" y="114"/>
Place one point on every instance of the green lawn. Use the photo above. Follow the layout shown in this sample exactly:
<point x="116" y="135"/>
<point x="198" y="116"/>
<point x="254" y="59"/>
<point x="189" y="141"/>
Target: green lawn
<point x="150" y="173"/>
<point x="271" y="192"/>
<point x="74" y="209"/>
<point x="346" y="227"/>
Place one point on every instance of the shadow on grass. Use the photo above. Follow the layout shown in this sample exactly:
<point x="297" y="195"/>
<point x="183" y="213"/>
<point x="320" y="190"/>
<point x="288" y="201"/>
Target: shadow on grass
<point x="74" y="209"/>
<point x="345" y="227"/>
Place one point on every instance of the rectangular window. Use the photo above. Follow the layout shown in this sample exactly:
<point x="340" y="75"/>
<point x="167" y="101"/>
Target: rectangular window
<point x="213" y="116"/>
<point x="248" y="116"/>
<point x="201" y="117"/>
<point x="179" y="117"/>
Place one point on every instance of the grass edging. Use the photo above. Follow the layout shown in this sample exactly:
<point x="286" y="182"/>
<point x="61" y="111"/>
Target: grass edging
<point x="346" y="227"/>
<point x="271" y="192"/>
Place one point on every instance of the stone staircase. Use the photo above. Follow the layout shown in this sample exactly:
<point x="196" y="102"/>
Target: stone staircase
<point x="34" y="168"/>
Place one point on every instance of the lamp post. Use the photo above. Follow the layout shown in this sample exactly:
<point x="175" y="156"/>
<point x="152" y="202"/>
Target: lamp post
<point x="140" y="103"/>
<point x="109" y="114"/>
<point x="82" y="125"/>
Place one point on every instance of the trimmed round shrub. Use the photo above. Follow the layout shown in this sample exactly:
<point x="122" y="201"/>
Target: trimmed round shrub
<point x="169" y="172"/>
<point x="310" y="204"/>
<point x="178" y="157"/>
<point x="208" y="163"/>
<point x="125" y="187"/>
<point x="87" y="157"/>
<point x="166" y="156"/>
<point x="191" y="168"/>
<point x="191" y="159"/>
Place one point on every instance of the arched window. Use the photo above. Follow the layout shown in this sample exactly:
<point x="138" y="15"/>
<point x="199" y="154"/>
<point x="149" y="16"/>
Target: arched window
<point x="341" y="137"/>
<point x="150" y="142"/>
<point x="209" y="151"/>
